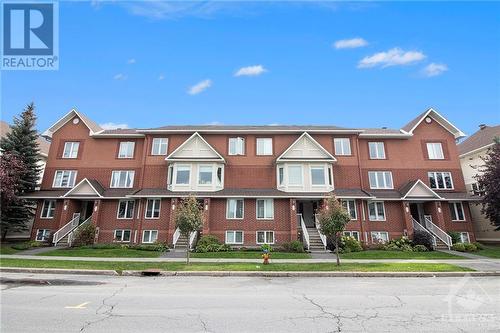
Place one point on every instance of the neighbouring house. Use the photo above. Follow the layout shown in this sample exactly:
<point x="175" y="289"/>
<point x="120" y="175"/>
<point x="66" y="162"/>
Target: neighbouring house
<point x="256" y="184"/>
<point x="44" y="146"/>
<point x="471" y="150"/>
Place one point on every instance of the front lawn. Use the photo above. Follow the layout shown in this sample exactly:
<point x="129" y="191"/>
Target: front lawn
<point x="491" y="251"/>
<point x="180" y="266"/>
<point x="97" y="252"/>
<point x="250" y="255"/>
<point x="6" y="249"/>
<point x="382" y="254"/>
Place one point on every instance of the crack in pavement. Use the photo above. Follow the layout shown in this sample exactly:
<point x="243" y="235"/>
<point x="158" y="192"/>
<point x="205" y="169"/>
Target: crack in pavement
<point x="107" y="313"/>
<point x="327" y="313"/>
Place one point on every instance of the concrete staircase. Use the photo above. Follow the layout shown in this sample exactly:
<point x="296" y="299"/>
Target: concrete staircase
<point x="440" y="245"/>
<point x="182" y="242"/>
<point x="315" y="243"/>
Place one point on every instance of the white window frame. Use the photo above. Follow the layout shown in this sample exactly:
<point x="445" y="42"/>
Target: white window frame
<point x="383" y="186"/>
<point x="185" y="167"/>
<point x="325" y="177"/>
<point x="121" y="240"/>
<point x="115" y="180"/>
<point x="435" y="175"/>
<point x="239" y="146"/>
<point x="342" y="149"/>
<point x="51" y="209"/>
<point x="348" y="208"/>
<point x="377" y="216"/>
<point x="263" y="151"/>
<point x="124" y="145"/>
<point x="69" y="151"/>
<point x="266" y="216"/>
<point x="453" y="205"/>
<point x="153" y="208"/>
<point x="63" y="172"/>
<point x="351" y="233"/>
<point x="161" y="143"/>
<point x="150" y="239"/>
<point x="45" y="235"/>
<point x="235" y="209"/>
<point x="266" y="240"/>
<point x="127" y="203"/>
<point x="301" y="174"/>
<point x="211" y="173"/>
<point x="234" y="236"/>
<point x="378" y="148"/>
<point x="281" y="172"/>
<point x="462" y="239"/>
<point x="377" y="233"/>
<point x="433" y="153"/>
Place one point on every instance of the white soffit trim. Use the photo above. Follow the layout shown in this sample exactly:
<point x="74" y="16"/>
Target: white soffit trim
<point x="441" y="121"/>
<point x="305" y="134"/>
<point x="84" y="180"/>
<point x="420" y="182"/>
<point x="67" y="117"/>
<point x="195" y="134"/>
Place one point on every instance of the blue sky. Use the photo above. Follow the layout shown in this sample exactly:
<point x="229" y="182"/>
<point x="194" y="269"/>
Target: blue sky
<point x="349" y="64"/>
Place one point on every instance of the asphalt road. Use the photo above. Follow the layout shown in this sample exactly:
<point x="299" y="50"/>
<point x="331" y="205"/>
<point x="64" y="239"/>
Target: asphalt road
<point x="72" y="303"/>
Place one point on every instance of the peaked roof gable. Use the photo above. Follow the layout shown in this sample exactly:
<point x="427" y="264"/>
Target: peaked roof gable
<point x="412" y="125"/>
<point x="91" y="125"/>
<point x="86" y="187"/>
<point x="306" y="148"/>
<point x="418" y="189"/>
<point x="195" y="148"/>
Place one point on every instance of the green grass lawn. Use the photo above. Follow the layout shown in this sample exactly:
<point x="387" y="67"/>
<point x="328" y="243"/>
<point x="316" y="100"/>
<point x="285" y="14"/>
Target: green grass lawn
<point x="380" y="254"/>
<point x="492" y="251"/>
<point x="6" y="249"/>
<point x="108" y="253"/>
<point x="180" y="266"/>
<point x="251" y="255"/>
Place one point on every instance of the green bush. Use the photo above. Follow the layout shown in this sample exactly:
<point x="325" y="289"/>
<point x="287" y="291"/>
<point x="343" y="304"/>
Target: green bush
<point x="421" y="237"/>
<point x="21" y="246"/>
<point x="85" y="235"/>
<point x="210" y="243"/>
<point x="420" y="248"/>
<point x="157" y="247"/>
<point x="266" y="248"/>
<point x="479" y="246"/>
<point x="455" y="237"/>
<point x="399" y="244"/>
<point x="350" y="244"/>
<point x="207" y="239"/>
<point x="460" y="247"/>
<point x="293" y="246"/>
<point x="469" y="247"/>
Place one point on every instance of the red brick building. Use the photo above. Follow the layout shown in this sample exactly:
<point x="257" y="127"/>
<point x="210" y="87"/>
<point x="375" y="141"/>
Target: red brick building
<point x="258" y="184"/>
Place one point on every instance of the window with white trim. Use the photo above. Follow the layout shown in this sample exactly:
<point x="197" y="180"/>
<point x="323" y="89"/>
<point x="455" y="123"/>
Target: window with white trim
<point x="342" y="146"/>
<point x="122" y="235"/>
<point x="122" y="179"/>
<point x="183" y="175"/>
<point x="125" y="209"/>
<point x="380" y="179"/>
<point x="42" y="235"/>
<point x="234" y="237"/>
<point x="152" y="208"/>
<point x="464" y="237"/>
<point x="205" y="174"/>
<point x="435" y="151"/>
<point x="457" y="211"/>
<point x="318" y="175"/>
<point x="377" y="150"/>
<point x="64" y="178"/>
<point x="295" y="175"/>
<point x="265" y="209"/>
<point x="440" y="180"/>
<point x="234" y="208"/>
<point x="71" y="149"/>
<point x="350" y="207"/>
<point x="126" y="149"/>
<point x="159" y="146"/>
<point x="380" y="236"/>
<point x="264" y="146"/>
<point x="149" y="236"/>
<point x="376" y="211"/>
<point x="219" y="176"/>
<point x="237" y="146"/>
<point x="264" y="237"/>
<point x="48" y="209"/>
<point x="281" y="175"/>
<point x="170" y="174"/>
<point x="354" y="234"/>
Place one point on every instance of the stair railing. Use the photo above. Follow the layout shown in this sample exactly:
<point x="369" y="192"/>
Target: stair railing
<point x="305" y="234"/>
<point x="176" y="236"/>
<point x="418" y="226"/>
<point x="323" y="237"/>
<point x="72" y="234"/>
<point x="192" y="239"/>
<point x="437" y="231"/>
<point x="66" y="229"/>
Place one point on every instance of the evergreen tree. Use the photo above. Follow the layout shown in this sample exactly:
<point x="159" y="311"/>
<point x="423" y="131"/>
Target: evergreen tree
<point x="489" y="183"/>
<point x="21" y="143"/>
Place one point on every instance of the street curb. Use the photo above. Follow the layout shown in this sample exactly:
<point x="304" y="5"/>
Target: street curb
<point x="59" y="271"/>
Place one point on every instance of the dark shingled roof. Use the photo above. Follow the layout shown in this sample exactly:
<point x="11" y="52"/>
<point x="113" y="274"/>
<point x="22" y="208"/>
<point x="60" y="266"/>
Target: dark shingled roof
<point x="479" y="139"/>
<point x="413" y="122"/>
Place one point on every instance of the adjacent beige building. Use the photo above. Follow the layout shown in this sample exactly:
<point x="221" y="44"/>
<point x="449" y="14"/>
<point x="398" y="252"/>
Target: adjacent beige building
<point x="471" y="151"/>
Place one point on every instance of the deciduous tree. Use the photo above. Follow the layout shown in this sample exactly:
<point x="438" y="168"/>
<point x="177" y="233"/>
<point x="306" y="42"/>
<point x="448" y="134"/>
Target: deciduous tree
<point x="188" y="218"/>
<point x="489" y="183"/>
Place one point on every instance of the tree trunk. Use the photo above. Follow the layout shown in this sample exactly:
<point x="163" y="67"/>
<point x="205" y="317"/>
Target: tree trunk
<point x="187" y="250"/>
<point x="4" y="234"/>
<point x="337" y="249"/>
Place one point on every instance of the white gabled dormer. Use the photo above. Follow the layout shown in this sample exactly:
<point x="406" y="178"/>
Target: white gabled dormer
<point x="195" y="166"/>
<point x="305" y="166"/>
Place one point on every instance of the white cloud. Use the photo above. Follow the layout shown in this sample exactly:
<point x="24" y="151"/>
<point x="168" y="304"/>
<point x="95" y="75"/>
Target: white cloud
<point x="250" y="71"/>
<point x="350" y="43"/>
<point x="214" y="123"/>
<point x="199" y="87"/>
<point x="434" y="69"/>
<point x="111" y="125"/>
<point x="393" y="57"/>
<point x="161" y="77"/>
<point x="131" y="61"/>
<point x="120" y="77"/>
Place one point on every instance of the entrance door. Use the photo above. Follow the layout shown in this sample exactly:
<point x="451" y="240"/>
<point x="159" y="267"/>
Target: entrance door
<point x="308" y="209"/>
<point x="87" y="209"/>
<point x="417" y="212"/>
